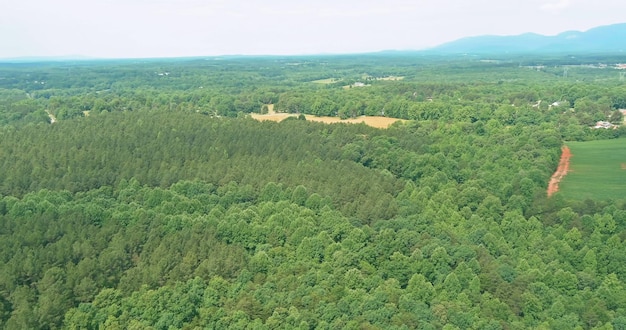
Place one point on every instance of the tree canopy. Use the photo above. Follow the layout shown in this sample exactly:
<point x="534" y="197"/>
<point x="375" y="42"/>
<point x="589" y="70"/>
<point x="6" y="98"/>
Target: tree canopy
<point x="155" y="202"/>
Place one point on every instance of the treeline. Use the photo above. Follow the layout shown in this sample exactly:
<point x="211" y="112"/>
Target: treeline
<point x="161" y="149"/>
<point x="355" y="165"/>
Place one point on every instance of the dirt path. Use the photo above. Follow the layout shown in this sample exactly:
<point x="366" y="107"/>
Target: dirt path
<point x="53" y="119"/>
<point x="561" y="171"/>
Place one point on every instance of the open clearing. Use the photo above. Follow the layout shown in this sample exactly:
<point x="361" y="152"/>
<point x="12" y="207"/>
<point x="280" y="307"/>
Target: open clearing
<point x="374" y="121"/>
<point x="325" y="81"/>
<point x="393" y="78"/>
<point x="596" y="170"/>
<point x="53" y="119"/>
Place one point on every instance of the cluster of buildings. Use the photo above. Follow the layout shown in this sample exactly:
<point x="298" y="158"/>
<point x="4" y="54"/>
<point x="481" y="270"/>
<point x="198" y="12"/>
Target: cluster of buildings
<point x="604" y="124"/>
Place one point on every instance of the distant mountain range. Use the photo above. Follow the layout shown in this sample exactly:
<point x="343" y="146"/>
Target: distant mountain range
<point x="603" y="39"/>
<point x="32" y="59"/>
<point x="609" y="39"/>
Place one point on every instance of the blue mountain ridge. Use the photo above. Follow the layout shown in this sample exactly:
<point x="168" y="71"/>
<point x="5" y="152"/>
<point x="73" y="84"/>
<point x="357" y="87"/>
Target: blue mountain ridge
<point x="602" y="39"/>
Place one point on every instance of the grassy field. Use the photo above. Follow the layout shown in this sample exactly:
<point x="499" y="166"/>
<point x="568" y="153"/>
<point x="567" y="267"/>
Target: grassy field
<point x="597" y="170"/>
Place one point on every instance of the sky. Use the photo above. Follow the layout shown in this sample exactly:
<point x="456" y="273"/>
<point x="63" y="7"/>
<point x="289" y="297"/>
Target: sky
<point x="179" y="28"/>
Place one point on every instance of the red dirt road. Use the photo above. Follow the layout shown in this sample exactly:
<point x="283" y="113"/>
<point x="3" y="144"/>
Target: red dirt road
<point x="561" y="171"/>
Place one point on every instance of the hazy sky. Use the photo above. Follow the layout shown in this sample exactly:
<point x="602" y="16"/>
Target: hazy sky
<point x="169" y="28"/>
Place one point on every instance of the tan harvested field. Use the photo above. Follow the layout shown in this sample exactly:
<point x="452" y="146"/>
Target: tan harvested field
<point x="325" y="81"/>
<point x="390" y="78"/>
<point x="272" y="116"/>
<point x="374" y="121"/>
<point x="356" y="86"/>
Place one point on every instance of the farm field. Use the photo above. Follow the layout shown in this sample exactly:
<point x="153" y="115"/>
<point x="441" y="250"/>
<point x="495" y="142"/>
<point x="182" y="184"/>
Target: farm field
<point x="373" y="121"/>
<point x="597" y="170"/>
<point x="325" y="81"/>
<point x="390" y="78"/>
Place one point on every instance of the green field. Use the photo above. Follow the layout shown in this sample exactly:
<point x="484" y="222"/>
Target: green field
<point x="596" y="170"/>
<point x="325" y="81"/>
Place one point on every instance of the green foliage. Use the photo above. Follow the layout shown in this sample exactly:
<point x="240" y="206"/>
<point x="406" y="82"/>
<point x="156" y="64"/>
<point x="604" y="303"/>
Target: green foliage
<point x="153" y="210"/>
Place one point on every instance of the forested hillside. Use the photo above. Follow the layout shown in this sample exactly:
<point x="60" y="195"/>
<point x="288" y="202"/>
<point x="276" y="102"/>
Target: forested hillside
<point x="154" y="202"/>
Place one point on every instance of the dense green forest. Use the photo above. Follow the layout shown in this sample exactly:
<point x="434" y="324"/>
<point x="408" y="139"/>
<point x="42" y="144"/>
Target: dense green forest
<point x="154" y="202"/>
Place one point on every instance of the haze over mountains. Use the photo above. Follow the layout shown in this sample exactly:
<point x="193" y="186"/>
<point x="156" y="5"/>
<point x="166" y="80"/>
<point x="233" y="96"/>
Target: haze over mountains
<point x="603" y="39"/>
